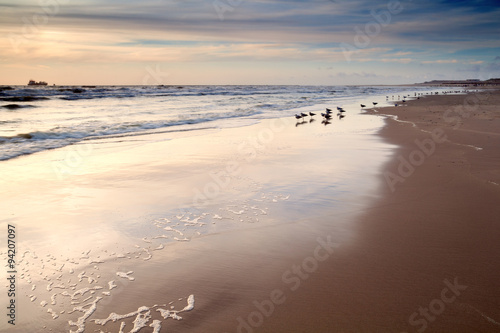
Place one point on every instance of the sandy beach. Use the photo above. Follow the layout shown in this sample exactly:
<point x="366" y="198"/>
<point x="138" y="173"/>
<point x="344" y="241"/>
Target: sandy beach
<point x="292" y="227"/>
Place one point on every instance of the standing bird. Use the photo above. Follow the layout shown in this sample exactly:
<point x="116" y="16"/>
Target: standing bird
<point x="312" y="114"/>
<point x="341" y="116"/>
<point x="363" y="106"/>
<point x="298" y="117"/>
<point x="303" y="114"/>
<point x="374" y="103"/>
<point x="328" y="110"/>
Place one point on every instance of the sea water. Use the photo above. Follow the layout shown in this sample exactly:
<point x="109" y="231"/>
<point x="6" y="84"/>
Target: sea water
<point x="33" y="119"/>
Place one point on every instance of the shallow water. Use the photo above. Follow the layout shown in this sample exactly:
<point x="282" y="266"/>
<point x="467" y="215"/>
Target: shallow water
<point x="53" y="117"/>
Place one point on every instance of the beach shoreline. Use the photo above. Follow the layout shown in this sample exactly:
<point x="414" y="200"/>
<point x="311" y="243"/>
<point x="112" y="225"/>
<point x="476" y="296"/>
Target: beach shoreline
<point x="366" y="261"/>
<point x="176" y="213"/>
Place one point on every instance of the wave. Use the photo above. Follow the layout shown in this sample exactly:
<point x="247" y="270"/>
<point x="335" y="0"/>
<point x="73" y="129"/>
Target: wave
<point x="23" y="98"/>
<point x="138" y="110"/>
<point x="16" y="106"/>
<point x="58" y="137"/>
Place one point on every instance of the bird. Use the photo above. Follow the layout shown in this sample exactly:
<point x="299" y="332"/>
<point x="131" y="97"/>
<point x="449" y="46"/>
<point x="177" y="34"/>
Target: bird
<point x="362" y="105"/>
<point x="374" y="103"/>
<point x="298" y="117"/>
<point x="341" y="116"/>
<point x="328" y="110"/>
<point x="303" y="114"/>
<point x="312" y="114"/>
<point x="341" y="110"/>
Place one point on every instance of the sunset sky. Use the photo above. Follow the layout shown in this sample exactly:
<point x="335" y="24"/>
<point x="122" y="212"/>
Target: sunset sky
<point x="325" y="42"/>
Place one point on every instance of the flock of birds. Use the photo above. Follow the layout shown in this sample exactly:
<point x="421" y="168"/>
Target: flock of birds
<point x="340" y="114"/>
<point x="327" y="116"/>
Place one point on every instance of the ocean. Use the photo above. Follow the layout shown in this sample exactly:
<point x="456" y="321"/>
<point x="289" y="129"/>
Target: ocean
<point x="34" y="119"/>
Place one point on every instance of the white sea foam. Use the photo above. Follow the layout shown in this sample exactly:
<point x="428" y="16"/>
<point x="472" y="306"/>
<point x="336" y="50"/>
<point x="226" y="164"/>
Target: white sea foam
<point x="126" y="275"/>
<point x="156" y="325"/>
<point x="112" y="285"/>
<point x="80" y="323"/>
<point x="141" y="321"/>
<point x="53" y="313"/>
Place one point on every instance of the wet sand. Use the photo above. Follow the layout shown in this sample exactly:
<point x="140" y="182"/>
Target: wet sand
<point x="438" y="224"/>
<point x="371" y="259"/>
<point x="423" y="257"/>
<point x="219" y="215"/>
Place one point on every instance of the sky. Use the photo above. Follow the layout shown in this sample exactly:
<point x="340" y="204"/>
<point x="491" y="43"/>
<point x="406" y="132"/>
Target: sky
<point x="181" y="42"/>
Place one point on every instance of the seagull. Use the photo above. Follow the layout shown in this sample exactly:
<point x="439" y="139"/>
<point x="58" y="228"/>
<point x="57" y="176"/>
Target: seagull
<point x="362" y="105"/>
<point x="312" y="114"/>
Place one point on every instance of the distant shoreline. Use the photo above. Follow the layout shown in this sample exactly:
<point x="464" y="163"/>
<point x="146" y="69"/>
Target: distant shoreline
<point x="458" y="84"/>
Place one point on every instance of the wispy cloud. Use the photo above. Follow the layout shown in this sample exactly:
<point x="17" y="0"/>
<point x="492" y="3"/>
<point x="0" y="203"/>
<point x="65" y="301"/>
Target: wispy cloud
<point x="441" y="61"/>
<point x="424" y="33"/>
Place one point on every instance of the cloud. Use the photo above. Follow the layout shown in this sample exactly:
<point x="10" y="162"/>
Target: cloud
<point x="449" y="61"/>
<point x="179" y="31"/>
